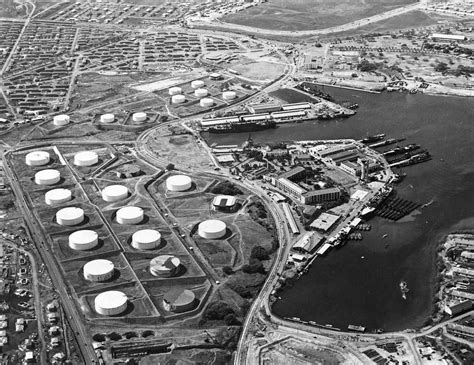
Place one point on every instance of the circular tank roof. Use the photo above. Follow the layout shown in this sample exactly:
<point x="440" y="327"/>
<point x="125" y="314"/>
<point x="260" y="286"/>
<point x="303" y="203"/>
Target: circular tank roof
<point x="139" y="117"/>
<point x="146" y="236"/>
<point x="57" y="196"/>
<point x="129" y="214"/>
<point x="110" y="300"/>
<point x="84" y="237"/>
<point x="62" y="119"/>
<point x="47" y="177"/>
<point x="197" y="84"/>
<point x="107" y="118"/>
<point x="164" y="265"/>
<point x="178" y="99"/>
<point x="212" y="226"/>
<point x="178" y="183"/>
<point x="85" y="158"/>
<point x="175" y="90"/>
<point x="179" y="297"/>
<point x="206" y="102"/>
<point x="113" y="193"/>
<point x="37" y="158"/>
<point x="98" y="267"/>
<point x="224" y="201"/>
<point x="70" y="214"/>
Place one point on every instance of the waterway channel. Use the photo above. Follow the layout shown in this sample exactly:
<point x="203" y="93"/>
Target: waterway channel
<point x="359" y="283"/>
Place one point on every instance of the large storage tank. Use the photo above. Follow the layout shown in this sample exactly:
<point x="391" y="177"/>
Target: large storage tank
<point x="139" y="117"/>
<point x="86" y="158"/>
<point x="229" y="95"/>
<point x="212" y="229"/>
<point x="37" y="158"/>
<point x="47" y="177"/>
<point x="110" y="303"/>
<point x="107" y="118"/>
<point x="114" y="193"/>
<point x="179" y="300"/>
<point x="224" y="202"/>
<point x="206" y="102"/>
<point x="98" y="270"/>
<point x="146" y="239"/>
<point x="178" y="99"/>
<point x="175" y="91"/>
<point x="70" y="216"/>
<point x="200" y="93"/>
<point x="130" y="215"/>
<point x="196" y="84"/>
<point x="165" y="265"/>
<point x="60" y="120"/>
<point x="57" y="196"/>
<point x="84" y="239"/>
<point x="178" y="183"/>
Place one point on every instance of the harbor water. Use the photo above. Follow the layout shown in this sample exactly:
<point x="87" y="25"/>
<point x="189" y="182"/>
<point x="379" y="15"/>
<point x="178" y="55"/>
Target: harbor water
<point x="359" y="283"/>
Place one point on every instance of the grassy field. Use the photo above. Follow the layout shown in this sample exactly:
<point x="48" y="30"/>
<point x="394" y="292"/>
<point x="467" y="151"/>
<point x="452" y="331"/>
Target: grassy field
<point x="311" y="14"/>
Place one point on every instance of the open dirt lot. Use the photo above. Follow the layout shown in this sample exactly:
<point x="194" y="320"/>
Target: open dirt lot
<point x="311" y="14"/>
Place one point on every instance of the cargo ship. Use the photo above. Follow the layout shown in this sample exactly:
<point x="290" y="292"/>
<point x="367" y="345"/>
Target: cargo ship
<point x="383" y="143"/>
<point x="404" y="289"/>
<point x="374" y="138"/>
<point x="402" y="150"/>
<point x="242" y="127"/>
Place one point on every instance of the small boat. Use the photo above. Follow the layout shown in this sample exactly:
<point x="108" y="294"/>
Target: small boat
<point x="404" y="289"/>
<point x="385" y="235"/>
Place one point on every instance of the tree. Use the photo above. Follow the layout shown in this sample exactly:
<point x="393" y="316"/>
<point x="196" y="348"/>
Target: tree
<point x="170" y="167"/>
<point x="218" y="310"/>
<point x="441" y="67"/>
<point x="259" y="253"/>
<point x="227" y="270"/>
<point x="254" y="266"/>
<point x="230" y="319"/>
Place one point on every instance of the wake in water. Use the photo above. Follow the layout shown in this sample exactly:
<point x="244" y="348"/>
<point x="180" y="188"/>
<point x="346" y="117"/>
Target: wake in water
<point x="428" y="204"/>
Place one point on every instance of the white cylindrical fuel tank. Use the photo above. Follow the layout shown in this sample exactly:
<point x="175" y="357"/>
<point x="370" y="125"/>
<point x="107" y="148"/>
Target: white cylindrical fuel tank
<point x="139" y="117"/>
<point x="215" y="76"/>
<point x="110" y="303"/>
<point x="47" y="177"/>
<point x="107" y="118"/>
<point x="165" y="265"/>
<point x="229" y="95"/>
<point x="200" y="93"/>
<point x="130" y="215"/>
<point x="146" y="239"/>
<point x="178" y="99"/>
<point x="37" y="158"/>
<point x="98" y="270"/>
<point x="178" y="183"/>
<point x="206" y="102"/>
<point x="86" y="158"/>
<point x="114" y="193"/>
<point x="84" y="239"/>
<point x="196" y="84"/>
<point x="69" y="216"/>
<point x="61" y="120"/>
<point x="57" y="196"/>
<point x="175" y="90"/>
<point x="212" y="229"/>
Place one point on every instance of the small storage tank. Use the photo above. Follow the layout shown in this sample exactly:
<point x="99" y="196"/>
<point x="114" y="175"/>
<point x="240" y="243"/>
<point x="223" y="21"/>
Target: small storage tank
<point x="212" y="229"/>
<point x="86" y="158"/>
<point x="200" y="93"/>
<point x="110" y="303"/>
<point x="57" y="196"/>
<point x="139" y="117"/>
<point x="146" y="239"/>
<point x="196" y="84"/>
<point x="37" y="158"/>
<point x="98" y="270"/>
<point x="107" y="118"/>
<point x="70" y="216"/>
<point x="47" y="177"/>
<point x="178" y="183"/>
<point x="215" y="76"/>
<point x="224" y="202"/>
<point x="114" y="193"/>
<point x="60" y="120"/>
<point x="84" y="239"/>
<point x="179" y="300"/>
<point x="178" y="99"/>
<point x="206" y="102"/>
<point x="165" y="265"/>
<point x="229" y="95"/>
<point x="130" y="215"/>
<point x="175" y="90"/>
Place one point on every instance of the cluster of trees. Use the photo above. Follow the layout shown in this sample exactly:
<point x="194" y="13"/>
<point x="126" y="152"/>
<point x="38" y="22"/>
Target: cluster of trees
<point x="255" y="265"/>
<point x="226" y="188"/>
<point x="366" y="66"/>
<point x="443" y="68"/>
<point x="220" y="310"/>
